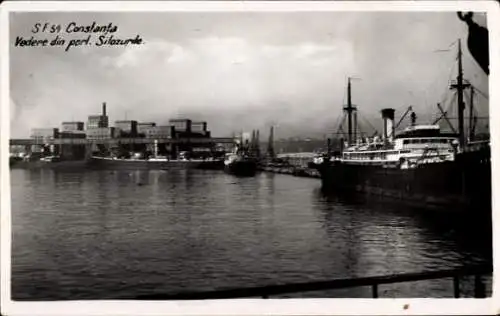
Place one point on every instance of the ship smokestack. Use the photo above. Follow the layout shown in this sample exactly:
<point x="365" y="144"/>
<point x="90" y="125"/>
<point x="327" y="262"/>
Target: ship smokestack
<point x="388" y="117"/>
<point x="413" y="118"/>
<point x="104" y="109"/>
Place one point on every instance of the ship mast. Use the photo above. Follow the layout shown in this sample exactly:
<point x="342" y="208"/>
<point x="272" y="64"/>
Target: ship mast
<point x="471" y="114"/>
<point x="460" y="87"/>
<point x="257" y="143"/>
<point x="355" y="137"/>
<point x="270" y="145"/>
<point x="349" y="108"/>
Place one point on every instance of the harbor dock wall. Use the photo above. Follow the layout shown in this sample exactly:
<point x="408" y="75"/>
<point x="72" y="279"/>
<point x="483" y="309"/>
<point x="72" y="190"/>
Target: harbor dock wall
<point x="296" y="164"/>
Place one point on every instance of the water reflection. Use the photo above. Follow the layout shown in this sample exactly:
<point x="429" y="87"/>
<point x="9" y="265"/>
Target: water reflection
<point x="462" y="236"/>
<point x="112" y="234"/>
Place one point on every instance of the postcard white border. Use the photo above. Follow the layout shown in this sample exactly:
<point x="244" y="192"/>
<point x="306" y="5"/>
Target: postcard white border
<point x="248" y="306"/>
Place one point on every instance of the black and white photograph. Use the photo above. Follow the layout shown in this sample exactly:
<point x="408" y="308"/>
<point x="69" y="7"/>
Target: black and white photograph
<point x="218" y="152"/>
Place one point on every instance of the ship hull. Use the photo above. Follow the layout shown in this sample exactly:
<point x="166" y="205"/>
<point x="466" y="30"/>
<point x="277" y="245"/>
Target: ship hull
<point x="105" y="163"/>
<point x="242" y="168"/>
<point x="460" y="184"/>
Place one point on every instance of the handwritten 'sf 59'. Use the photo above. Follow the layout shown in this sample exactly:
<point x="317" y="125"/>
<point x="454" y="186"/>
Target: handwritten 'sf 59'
<point x="46" y="27"/>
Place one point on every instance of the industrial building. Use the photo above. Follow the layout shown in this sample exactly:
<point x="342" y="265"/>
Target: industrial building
<point x="185" y="128"/>
<point x="143" y="126"/>
<point x="44" y="133"/>
<point x="42" y="136"/>
<point x="98" y="129"/>
<point x="72" y="134"/>
<point x="72" y="151"/>
<point x="72" y="126"/>
<point x="98" y="121"/>
<point x="181" y="125"/>
<point x="157" y="133"/>
<point x="126" y="128"/>
<point x="198" y="127"/>
<point x="101" y="133"/>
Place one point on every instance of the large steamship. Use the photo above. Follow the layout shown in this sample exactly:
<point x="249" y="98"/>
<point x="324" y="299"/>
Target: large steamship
<point x="421" y="163"/>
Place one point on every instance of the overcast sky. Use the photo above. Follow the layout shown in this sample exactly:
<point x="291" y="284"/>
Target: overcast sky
<point x="240" y="71"/>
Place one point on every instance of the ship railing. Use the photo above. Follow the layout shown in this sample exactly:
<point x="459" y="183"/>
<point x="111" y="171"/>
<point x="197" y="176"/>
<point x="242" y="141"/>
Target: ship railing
<point x="477" y="145"/>
<point x="478" y="142"/>
<point x="478" y="272"/>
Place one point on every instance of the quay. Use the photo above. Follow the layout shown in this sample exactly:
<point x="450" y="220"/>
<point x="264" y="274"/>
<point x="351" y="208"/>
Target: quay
<point x="134" y="143"/>
<point x="76" y="140"/>
<point x="291" y="170"/>
<point x="296" y="164"/>
<point x="119" y="141"/>
<point x="83" y="149"/>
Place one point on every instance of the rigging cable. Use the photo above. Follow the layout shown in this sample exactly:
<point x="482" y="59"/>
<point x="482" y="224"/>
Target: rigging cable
<point x="446" y="109"/>
<point x="444" y="101"/>
<point x="338" y="123"/>
<point x="369" y="124"/>
<point x="451" y="68"/>
<point x="476" y="89"/>
<point x="340" y="128"/>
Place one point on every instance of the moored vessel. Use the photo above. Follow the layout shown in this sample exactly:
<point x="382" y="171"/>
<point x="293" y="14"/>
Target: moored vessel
<point x="420" y="164"/>
<point x="243" y="160"/>
<point x="240" y="165"/>
<point x="47" y="162"/>
<point x="159" y="163"/>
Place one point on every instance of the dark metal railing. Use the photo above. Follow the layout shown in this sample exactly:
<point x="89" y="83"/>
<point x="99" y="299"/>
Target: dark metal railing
<point x="373" y="282"/>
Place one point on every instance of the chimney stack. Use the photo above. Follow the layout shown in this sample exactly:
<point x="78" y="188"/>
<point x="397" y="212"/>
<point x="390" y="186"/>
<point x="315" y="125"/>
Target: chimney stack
<point x="104" y="109"/>
<point x="388" y="117"/>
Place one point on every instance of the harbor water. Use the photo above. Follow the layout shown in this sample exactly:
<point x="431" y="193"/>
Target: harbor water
<point x="88" y="234"/>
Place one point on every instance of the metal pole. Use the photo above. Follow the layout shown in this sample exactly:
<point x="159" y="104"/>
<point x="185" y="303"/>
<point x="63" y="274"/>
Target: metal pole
<point x="355" y="117"/>
<point x="460" y="90"/>
<point x="456" y="286"/>
<point x="471" y="115"/>
<point x="375" y="291"/>
<point x="349" y="112"/>
<point x="479" y="290"/>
